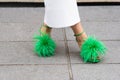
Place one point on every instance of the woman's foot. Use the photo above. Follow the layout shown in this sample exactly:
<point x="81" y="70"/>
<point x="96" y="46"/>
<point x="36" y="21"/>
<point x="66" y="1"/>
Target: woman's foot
<point x="46" y="29"/>
<point x="44" y="46"/>
<point x="80" y="35"/>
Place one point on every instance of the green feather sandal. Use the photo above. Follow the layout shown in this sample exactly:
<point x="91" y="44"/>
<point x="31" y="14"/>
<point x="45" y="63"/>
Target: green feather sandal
<point x="44" y="45"/>
<point x="92" y="49"/>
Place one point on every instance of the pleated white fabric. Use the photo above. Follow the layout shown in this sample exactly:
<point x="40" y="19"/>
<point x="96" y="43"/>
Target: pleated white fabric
<point x="61" y="13"/>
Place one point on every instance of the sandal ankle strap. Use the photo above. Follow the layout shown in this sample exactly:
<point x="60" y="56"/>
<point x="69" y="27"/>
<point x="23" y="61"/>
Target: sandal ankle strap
<point x="79" y="34"/>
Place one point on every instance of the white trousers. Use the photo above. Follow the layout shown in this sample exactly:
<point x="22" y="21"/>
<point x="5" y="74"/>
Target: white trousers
<point x="61" y="13"/>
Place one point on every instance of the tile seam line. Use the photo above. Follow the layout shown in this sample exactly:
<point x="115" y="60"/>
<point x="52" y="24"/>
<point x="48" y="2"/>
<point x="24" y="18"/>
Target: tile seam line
<point x="68" y="56"/>
<point x="30" y="64"/>
<point x="55" y="40"/>
<point x="101" y="40"/>
<point x="56" y="64"/>
<point x="26" y="41"/>
<point x="95" y="63"/>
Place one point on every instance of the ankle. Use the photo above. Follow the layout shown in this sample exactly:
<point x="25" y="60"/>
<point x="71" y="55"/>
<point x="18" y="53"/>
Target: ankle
<point x="46" y="29"/>
<point x="80" y="38"/>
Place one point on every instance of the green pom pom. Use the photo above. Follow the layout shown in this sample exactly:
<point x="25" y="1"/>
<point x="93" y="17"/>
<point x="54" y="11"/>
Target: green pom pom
<point x="44" y="46"/>
<point x="91" y="49"/>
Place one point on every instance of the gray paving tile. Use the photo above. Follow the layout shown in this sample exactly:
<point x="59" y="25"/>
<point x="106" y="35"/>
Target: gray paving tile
<point x="22" y="15"/>
<point x="22" y="53"/>
<point x="99" y="13"/>
<point x="112" y="55"/>
<point x="36" y="15"/>
<point x="74" y="52"/>
<point x="96" y="71"/>
<point x="24" y="32"/>
<point x="102" y="30"/>
<point x="34" y="72"/>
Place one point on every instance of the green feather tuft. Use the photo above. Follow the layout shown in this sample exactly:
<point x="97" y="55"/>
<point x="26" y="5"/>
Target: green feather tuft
<point x="91" y="49"/>
<point x="44" y="46"/>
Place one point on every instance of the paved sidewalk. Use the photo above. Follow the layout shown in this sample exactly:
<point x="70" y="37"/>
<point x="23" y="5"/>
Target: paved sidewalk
<point x="18" y="62"/>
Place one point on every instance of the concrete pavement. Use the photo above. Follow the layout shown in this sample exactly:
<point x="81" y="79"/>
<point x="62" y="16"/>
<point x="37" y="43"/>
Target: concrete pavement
<point x="18" y="61"/>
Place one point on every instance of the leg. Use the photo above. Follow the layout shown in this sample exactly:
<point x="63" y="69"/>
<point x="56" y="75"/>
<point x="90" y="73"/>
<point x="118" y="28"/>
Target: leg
<point x="77" y="28"/>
